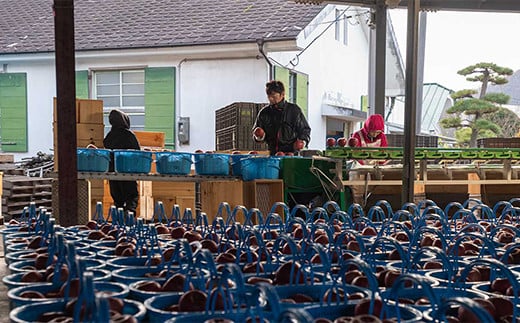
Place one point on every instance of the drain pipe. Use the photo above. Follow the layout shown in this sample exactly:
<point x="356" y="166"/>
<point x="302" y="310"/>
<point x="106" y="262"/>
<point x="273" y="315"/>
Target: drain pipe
<point x="260" y="43"/>
<point x="178" y="112"/>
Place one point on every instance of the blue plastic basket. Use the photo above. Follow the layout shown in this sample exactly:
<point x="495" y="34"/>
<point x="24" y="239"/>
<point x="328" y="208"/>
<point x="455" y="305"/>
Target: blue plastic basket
<point x="236" y="166"/>
<point x="260" y="168"/>
<point x="132" y="161"/>
<point x="93" y="160"/>
<point x="212" y="164"/>
<point x="175" y="163"/>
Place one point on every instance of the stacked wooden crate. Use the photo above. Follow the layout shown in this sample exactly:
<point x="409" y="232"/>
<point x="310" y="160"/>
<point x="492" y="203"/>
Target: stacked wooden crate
<point x="90" y="130"/>
<point x="19" y="191"/>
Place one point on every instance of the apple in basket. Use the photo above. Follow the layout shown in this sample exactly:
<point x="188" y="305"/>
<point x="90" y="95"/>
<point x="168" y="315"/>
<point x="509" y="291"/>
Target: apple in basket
<point x="466" y="315"/>
<point x="331" y="142"/>
<point x="193" y="301"/>
<point x="32" y="276"/>
<point x="149" y="286"/>
<point x="199" y="151"/>
<point x="31" y="294"/>
<point x="253" y="152"/>
<point x="363" y="307"/>
<point x="342" y="142"/>
<point x="176" y="283"/>
<point x="503" y="307"/>
<point x="283" y="274"/>
<point x="279" y="153"/>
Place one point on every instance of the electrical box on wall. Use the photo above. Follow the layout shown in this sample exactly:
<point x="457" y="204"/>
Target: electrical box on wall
<point x="183" y="130"/>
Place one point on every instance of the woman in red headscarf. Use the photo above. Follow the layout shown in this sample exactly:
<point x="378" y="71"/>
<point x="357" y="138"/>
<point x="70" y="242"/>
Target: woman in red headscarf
<point x="371" y="135"/>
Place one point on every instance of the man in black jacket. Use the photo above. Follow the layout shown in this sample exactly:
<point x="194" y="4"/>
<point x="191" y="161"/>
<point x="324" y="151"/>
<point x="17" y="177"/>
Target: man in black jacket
<point x="124" y="193"/>
<point x="281" y="124"/>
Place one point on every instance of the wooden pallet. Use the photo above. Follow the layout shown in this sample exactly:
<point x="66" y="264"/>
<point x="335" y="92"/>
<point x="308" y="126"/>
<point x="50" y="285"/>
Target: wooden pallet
<point x="19" y="191"/>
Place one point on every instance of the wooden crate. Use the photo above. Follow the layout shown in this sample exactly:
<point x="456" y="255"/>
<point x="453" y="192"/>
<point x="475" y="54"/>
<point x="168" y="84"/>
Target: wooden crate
<point x="150" y="139"/>
<point x="170" y="193"/>
<point x="87" y="111"/>
<point x="214" y="192"/>
<point x="262" y="194"/>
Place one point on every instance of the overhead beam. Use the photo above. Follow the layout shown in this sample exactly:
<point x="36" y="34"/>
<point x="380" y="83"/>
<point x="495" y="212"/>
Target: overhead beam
<point x="449" y="5"/>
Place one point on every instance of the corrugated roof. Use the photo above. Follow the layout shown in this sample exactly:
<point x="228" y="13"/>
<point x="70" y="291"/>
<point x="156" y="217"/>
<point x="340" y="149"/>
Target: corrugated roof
<point x="27" y="26"/>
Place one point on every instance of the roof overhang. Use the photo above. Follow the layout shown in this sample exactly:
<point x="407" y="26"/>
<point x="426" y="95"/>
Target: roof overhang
<point x="342" y="113"/>
<point x="434" y="5"/>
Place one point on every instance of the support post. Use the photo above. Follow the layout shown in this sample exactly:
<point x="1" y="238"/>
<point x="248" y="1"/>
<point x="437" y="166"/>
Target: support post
<point x="410" y="101"/>
<point x="66" y="112"/>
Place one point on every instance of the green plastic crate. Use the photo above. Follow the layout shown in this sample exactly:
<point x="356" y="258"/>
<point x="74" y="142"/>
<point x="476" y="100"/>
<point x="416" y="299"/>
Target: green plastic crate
<point x="296" y="173"/>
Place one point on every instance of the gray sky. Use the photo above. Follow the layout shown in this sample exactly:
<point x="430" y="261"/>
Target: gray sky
<point x="455" y="40"/>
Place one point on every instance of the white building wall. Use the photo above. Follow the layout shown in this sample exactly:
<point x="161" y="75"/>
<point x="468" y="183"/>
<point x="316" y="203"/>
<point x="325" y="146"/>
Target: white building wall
<point x="334" y="69"/>
<point x="209" y="82"/>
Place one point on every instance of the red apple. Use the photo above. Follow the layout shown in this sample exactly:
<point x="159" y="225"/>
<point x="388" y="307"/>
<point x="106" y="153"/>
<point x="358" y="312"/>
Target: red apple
<point x="149" y="286"/>
<point x="31" y="294"/>
<point x="192" y="301"/>
<point x="283" y="274"/>
<point x="31" y="277"/>
<point x="503" y="306"/>
<point x="253" y="152"/>
<point x="178" y="232"/>
<point x="301" y="298"/>
<point x="331" y="142"/>
<point x="256" y="280"/>
<point x="280" y="153"/>
<point x="342" y="142"/>
<point x="363" y="307"/>
<point x="175" y="283"/>
<point x="500" y="285"/>
<point x="259" y="132"/>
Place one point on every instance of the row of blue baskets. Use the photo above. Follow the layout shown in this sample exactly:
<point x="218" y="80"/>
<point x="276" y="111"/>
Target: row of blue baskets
<point x="179" y="163"/>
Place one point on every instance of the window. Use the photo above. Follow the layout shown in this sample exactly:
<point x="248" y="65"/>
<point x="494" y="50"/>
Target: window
<point x="292" y="88"/>
<point x="122" y="90"/>
<point x="345" y="30"/>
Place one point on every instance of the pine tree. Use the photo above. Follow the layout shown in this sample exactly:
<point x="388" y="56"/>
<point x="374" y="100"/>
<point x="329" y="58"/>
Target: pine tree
<point x="471" y="107"/>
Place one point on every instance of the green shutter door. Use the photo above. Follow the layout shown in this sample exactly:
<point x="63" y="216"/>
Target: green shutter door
<point x="13" y="112"/>
<point x="302" y="92"/>
<point x="282" y="74"/>
<point x="159" y="98"/>
<point x="82" y="84"/>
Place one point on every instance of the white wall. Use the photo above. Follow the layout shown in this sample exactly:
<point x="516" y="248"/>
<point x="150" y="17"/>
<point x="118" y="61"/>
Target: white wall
<point x="207" y="86"/>
<point x="332" y="68"/>
<point x="209" y="82"/>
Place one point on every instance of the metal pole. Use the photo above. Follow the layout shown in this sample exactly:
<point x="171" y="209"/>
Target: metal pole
<point x="66" y="112"/>
<point x="410" y="102"/>
<point x="380" y="70"/>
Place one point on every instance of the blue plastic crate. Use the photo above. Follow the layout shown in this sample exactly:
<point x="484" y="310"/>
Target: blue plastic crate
<point x="93" y="160"/>
<point x="236" y="166"/>
<point x="260" y="168"/>
<point x="212" y="164"/>
<point x="132" y="161"/>
<point x="174" y="163"/>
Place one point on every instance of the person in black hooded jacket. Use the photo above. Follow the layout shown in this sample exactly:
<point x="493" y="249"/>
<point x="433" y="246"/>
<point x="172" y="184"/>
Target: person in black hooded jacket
<point x="281" y="124"/>
<point x="124" y="193"/>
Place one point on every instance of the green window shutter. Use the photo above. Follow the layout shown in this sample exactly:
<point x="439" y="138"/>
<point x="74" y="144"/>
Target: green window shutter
<point x="282" y="74"/>
<point x="302" y="92"/>
<point x="13" y="112"/>
<point x="159" y="100"/>
<point x="82" y="84"/>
